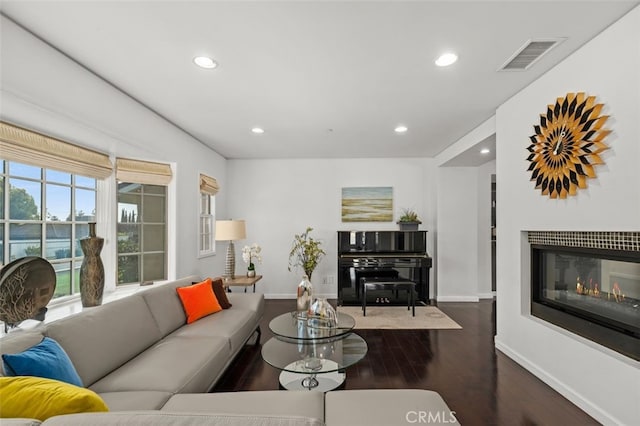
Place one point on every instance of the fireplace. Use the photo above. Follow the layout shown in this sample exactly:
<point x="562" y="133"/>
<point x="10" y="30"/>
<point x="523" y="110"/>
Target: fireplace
<point x="592" y="292"/>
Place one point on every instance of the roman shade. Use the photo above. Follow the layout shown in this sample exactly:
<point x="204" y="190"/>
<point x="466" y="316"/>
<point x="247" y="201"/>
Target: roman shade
<point x="145" y="172"/>
<point x="208" y="185"/>
<point x="26" y="146"/>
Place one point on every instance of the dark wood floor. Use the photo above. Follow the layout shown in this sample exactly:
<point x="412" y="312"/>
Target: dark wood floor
<point x="479" y="383"/>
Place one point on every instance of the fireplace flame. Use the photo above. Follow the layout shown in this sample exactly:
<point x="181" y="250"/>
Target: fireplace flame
<point x="593" y="289"/>
<point x="618" y="295"/>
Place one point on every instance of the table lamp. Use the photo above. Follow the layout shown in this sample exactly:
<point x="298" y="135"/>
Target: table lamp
<point x="230" y="230"/>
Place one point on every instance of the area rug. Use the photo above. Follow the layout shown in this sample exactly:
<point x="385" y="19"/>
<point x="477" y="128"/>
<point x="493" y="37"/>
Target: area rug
<point x="398" y="317"/>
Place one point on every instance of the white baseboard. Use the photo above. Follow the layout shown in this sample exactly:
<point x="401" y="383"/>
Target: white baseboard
<point x="279" y="296"/>
<point x="457" y="299"/>
<point x="487" y="295"/>
<point x="292" y="296"/>
<point x="566" y="391"/>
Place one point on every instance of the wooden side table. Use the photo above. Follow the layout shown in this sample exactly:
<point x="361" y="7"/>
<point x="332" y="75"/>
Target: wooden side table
<point x="240" y="281"/>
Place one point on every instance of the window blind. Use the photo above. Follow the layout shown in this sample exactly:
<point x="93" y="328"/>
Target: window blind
<point x="208" y="185"/>
<point x="25" y="146"/>
<point x="145" y="172"/>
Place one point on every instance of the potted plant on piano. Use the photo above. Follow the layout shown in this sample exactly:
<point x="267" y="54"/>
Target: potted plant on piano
<point x="409" y="220"/>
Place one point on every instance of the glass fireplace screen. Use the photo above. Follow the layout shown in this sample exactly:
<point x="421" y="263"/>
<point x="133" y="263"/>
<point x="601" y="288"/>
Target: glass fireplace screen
<point x="600" y="285"/>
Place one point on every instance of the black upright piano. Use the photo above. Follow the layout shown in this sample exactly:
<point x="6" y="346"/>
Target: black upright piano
<point x="382" y="254"/>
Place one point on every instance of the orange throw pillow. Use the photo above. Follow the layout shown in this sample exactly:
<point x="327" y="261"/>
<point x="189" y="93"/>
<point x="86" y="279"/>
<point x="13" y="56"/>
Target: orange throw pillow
<point x="198" y="300"/>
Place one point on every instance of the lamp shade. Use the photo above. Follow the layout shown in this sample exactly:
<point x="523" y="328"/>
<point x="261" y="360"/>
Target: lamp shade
<point x="230" y="230"/>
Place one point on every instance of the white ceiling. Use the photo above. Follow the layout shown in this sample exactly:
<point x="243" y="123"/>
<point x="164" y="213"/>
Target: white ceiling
<point x="325" y="79"/>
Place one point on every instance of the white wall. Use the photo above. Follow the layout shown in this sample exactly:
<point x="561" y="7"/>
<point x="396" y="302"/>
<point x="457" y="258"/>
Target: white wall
<point x="602" y="382"/>
<point x="484" y="229"/>
<point x="43" y="90"/>
<point x="280" y="198"/>
<point x="464" y="233"/>
<point x="457" y="238"/>
<point x="464" y="221"/>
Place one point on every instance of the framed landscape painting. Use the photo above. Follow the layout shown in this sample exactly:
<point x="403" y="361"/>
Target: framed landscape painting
<point x="367" y="204"/>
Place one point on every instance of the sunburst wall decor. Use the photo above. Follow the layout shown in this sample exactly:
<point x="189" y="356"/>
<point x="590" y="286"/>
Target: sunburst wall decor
<point x="567" y="145"/>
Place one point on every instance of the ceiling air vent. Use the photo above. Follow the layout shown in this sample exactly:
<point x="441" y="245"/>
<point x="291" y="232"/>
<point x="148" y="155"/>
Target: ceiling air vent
<point x="529" y="54"/>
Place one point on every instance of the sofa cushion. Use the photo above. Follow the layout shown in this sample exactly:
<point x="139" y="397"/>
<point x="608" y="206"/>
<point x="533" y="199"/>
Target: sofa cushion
<point x="38" y="398"/>
<point x="47" y="359"/>
<point x="175" y="364"/>
<point x="135" y="400"/>
<point x="253" y="302"/>
<point x="233" y="324"/>
<point x="101" y="339"/>
<point x="254" y="403"/>
<point x="155" y="418"/>
<point x="19" y="341"/>
<point x="165" y="305"/>
<point x="372" y="407"/>
<point x="198" y="300"/>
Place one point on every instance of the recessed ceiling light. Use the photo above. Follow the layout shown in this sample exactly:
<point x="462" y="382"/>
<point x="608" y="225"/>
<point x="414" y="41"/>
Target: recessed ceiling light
<point x="258" y="130"/>
<point x="485" y="151"/>
<point x="401" y="129"/>
<point x="205" y="62"/>
<point x="446" y="59"/>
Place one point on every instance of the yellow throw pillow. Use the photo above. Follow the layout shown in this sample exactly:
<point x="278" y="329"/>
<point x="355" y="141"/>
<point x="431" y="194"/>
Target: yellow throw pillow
<point x="38" y="398"/>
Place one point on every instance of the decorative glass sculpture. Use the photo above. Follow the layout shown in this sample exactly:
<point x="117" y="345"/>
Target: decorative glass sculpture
<point x="305" y="290"/>
<point x="322" y="315"/>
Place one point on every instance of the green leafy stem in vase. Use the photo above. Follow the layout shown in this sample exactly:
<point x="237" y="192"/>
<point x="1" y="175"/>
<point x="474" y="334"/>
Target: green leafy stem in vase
<point x="305" y="253"/>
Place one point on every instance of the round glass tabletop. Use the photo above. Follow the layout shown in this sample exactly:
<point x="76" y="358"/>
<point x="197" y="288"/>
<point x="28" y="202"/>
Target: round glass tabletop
<point x="290" y="326"/>
<point x="314" y="357"/>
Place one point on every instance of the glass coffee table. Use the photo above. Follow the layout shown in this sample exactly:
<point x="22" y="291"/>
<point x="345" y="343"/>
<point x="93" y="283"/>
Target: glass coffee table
<point x="312" y="358"/>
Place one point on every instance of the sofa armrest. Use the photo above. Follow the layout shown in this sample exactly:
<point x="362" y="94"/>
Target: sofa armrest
<point x="158" y="418"/>
<point x="20" y="422"/>
<point x="256" y="403"/>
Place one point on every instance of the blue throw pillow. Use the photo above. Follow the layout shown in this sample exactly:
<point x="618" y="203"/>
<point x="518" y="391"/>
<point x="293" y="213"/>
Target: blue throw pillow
<point x="47" y="359"/>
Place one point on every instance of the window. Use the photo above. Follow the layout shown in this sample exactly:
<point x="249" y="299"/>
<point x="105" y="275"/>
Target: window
<point x="207" y="207"/>
<point x="142" y="232"/>
<point x="208" y="189"/>
<point x="45" y="212"/>
<point x="142" y="220"/>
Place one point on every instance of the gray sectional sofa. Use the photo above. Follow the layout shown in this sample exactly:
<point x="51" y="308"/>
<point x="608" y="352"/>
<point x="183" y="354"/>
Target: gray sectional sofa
<point x="151" y="368"/>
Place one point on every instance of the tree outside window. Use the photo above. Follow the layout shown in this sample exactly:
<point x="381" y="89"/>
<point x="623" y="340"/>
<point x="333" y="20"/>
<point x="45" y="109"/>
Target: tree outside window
<point x="41" y="220"/>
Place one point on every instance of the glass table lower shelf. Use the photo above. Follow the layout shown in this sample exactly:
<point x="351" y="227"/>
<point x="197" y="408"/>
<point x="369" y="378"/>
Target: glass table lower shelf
<point x="320" y="381"/>
<point x="314" y="365"/>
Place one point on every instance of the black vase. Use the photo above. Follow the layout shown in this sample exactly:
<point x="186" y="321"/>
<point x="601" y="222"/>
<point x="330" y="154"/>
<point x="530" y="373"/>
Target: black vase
<point x="91" y="270"/>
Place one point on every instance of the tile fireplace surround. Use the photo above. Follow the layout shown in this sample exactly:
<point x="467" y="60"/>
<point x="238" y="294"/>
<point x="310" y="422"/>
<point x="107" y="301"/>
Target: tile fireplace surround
<point x="589" y="284"/>
<point x="627" y="241"/>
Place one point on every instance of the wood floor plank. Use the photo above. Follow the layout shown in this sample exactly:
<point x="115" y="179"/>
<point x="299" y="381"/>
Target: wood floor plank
<point x="482" y="385"/>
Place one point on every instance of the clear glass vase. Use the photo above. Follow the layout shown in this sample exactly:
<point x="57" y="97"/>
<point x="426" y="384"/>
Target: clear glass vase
<point x="322" y="315"/>
<point x="304" y="294"/>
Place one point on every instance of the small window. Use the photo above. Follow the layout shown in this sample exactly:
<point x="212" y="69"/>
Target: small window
<point x="142" y="232"/>
<point x="206" y="242"/>
<point x="142" y="220"/>
<point x="206" y="222"/>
